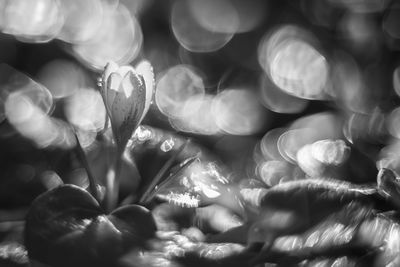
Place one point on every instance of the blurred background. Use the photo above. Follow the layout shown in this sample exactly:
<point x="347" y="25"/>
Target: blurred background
<point x="276" y="90"/>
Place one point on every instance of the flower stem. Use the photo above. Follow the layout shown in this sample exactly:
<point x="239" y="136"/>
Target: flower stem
<point x="113" y="181"/>
<point x="92" y="180"/>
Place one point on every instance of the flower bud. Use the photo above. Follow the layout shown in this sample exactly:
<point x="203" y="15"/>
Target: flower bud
<point x="127" y="94"/>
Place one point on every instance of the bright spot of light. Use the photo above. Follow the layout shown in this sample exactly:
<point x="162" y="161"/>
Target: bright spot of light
<point x="393" y="240"/>
<point x="288" y="142"/>
<point x="143" y="134"/>
<point x="197" y="116"/>
<point x="274" y="172"/>
<point x="62" y="78"/>
<point x="119" y="39"/>
<point x="239" y="112"/>
<point x="180" y="95"/>
<point x="32" y="21"/>
<point x="215" y="16"/>
<point x="167" y="145"/>
<point x="85" y="109"/>
<point x="31" y="122"/>
<point x="269" y="144"/>
<point x="14" y="82"/>
<point x="293" y="63"/>
<point x="82" y="20"/>
<point x="330" y="152"/>
<point x="277" y="100"/>
<point x="181" y="199"/>
<point x="18" y="108"/>
<point x="289" y="243"/>
<point x="26" y="107"/>
<point x="308" y="163"/>
<point x="210" y="193"/>
<point x="299" y="69"/>
<point x="191" y="34"/>
<point x="307" y="130"/>
<point x="199" y="182"/>
<point x="178" y="85"/>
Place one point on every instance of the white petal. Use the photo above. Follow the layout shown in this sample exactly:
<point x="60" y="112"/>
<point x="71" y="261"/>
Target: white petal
<point x="111" y="88"/>
<point x="127" y="86"/>
<point x="145" y="69"/>
<point x="210" y="193"/>
<point x="108" y="69"/>
<point x="123" y="70"/>
<point x="109" y="98"/>
<point x="114" y="81"/>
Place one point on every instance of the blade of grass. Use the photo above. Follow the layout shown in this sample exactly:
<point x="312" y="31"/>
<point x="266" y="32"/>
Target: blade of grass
<point x="162" y="171"/>
<point x="172" y="175"/>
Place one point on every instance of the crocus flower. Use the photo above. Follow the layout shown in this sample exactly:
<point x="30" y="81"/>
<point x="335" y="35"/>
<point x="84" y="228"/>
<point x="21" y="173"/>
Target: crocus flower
<point x="127" y="94"/>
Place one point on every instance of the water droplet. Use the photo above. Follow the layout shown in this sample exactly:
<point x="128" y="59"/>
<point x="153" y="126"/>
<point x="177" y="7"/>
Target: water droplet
<point x="143" y="134"/>
<point x="167" y="145"/>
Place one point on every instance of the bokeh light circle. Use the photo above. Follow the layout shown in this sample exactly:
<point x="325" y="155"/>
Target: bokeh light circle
<point x="32" y="21"/>
<point x="177" y="86"/>
<point x="119" y="39"/>
<point x="197" y="116"/>
<point x="277" y="100"/>
<point x="191" y="35"/>
<point x="62" y="78"/>
<point x="83" y="20"/>
<point x="238" y="112"/>
<point x="215" y="16"/>
<point x="293" y="63"/>
<point x="85" y="109"/>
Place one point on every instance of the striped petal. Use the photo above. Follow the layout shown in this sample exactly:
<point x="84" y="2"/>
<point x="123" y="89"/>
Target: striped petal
<point x="127" y="86"/>
<point x="126" y="111"/>
<point x="145" y="69"/>
<point x="123" y="70"/>
<point x="105" y="82"/>
<point x="113" y="81"/>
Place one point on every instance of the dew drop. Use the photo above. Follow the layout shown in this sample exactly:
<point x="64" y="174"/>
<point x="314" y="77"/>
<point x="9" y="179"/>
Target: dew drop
<point x="167" y="145"/>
